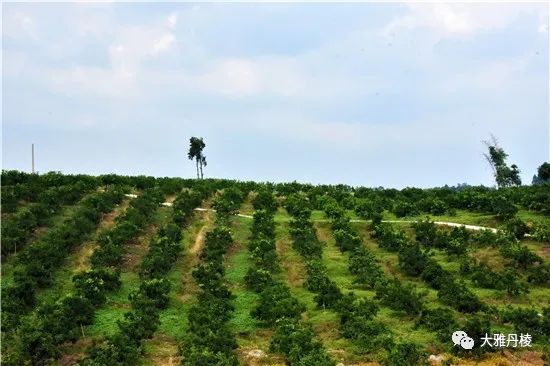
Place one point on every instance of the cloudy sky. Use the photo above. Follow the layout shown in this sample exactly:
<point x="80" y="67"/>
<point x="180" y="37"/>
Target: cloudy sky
<point x="364" y="94"/>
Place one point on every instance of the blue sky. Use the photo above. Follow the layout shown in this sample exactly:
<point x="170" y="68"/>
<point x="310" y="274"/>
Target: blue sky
<point x="361" y="93"/>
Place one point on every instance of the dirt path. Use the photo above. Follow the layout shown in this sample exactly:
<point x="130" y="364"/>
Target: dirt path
<point x="163" y="348"/>
<point x="84" y="252"/>
<point x="444" y="223"/>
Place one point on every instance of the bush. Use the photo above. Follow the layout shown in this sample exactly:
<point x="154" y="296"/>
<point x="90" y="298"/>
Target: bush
<point x="457" y="295"/>
<point x="399" y="297"/>
<point x="297" y="343"/>
<point x="276" y="302"/>
<point x="258" y="279"/>
<point x="516" y="227"/>
<point x="365" y="267"/>
<point x="412" y="260"/>
<point x="403" y="209"/>
<point x="407" y="354"/>
<point x="529" y="321"/>
<point x="439" y="320"/>
<point x="541" y="232"/>
<point x="539" y="275"/>
<point x="434" y="275"/>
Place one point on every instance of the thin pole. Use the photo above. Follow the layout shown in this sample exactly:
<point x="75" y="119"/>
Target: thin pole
<point x="32" y="158"/>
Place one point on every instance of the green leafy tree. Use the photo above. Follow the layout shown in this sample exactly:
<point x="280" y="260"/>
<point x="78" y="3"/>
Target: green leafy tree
<point x="505" y="176"/>
<point x="543" y="174"/>
<point x="196" y="146"/>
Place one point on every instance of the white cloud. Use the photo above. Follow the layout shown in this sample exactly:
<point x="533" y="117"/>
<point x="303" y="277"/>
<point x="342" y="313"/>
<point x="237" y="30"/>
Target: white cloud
<point x="172" y="20"/>
<point x="233" y="77"/>
<point x="86" y="81"/>
<point x="164" y="43"/>
<point x="128" y="49"/>
<point x="461" y="19"/>
<point x="19" y="25"/>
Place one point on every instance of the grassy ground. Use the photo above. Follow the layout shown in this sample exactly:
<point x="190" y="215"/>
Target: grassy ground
<point x="162" y="349"/>
<point x="105" y="321"/>
<point x="10" y="263"/>
<point x="78" y="260"/>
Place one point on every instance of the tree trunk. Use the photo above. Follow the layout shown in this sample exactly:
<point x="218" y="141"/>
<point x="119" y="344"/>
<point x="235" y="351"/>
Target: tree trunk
<point x="202" y="175"/>
<point x="197" y="164"/>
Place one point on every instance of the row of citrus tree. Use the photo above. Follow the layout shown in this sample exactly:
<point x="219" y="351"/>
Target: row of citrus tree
<point x="41" y="334"/>
<point x="415" y="262"/>
<point x="209" y="339"/>
<point x="35" y="267"/>
<point x="277" y="308"/>
<point x="18" y="229"/>
<point x="152" y="296"/>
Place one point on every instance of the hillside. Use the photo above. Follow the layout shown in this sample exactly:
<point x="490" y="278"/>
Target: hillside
<point x="116" y="270"/>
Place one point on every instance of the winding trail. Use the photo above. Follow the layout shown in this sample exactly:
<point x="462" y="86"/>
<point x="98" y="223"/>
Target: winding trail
<point x="445" y="223"/>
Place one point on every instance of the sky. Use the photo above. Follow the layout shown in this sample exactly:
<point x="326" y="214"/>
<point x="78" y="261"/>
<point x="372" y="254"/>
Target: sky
<point x="371" y="94"/>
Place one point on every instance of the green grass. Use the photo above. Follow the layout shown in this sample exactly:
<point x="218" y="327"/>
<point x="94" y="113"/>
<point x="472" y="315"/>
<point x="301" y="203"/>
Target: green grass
<point x="237" y="264"/>
<point x="117" y="302"/>
<point x="253" y="335"/>
<point x="11" y="262"/>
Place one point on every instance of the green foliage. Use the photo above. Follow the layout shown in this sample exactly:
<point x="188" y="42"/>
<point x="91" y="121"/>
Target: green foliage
<point x="364" y="265"/>
<point x="539" y="275"/>
<point x="389" y="237"/>
<point x="196" y="146"/>
<point x="412" y="260"/>
<point x="397" y="296"/>
<point x="541" y="232"/>
<point x="407" y="354"/>
<point x="276" y="302"/>
<point x="516" y="227"/>
<point x="439" y="320"/>
<point x="404" y="209"/>
<point x="264" y="200"/>
<point x="297" y="343"/>
<point x="257" y="279"/>
<point x="457" y="295"/>
<point x="505" y="176"/>
<point x="528" y="321"/>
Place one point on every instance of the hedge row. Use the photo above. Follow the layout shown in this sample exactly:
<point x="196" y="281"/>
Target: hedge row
<point x="36" y="266"/>
<point x="357" y="314"/>
<point x="19" y="187"/>
<point x="62" y="320"/>
<point x="124" y="347"/>
<point x="276" y="306"/>
<point x="19" y="228"/>
<point x="209" y="339"/>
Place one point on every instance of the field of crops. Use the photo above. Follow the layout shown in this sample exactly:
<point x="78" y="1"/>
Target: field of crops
<point x="116" y="270"/>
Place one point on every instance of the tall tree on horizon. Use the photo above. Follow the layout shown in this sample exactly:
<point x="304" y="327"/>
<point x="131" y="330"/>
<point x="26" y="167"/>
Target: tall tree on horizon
<point x="196" y="146"/>
<point x="505" y="176"/>
<point x="543" y="176"/>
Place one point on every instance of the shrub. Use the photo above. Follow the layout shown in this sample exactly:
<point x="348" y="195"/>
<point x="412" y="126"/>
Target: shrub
<point x="297" y="343"/>
<point x="529" y="321"/>
<point x="457" y="295"/>
<point x="399" y="297"/>
<point x="439" y="320"/>
<point x="258" y="279"/>
<point x="412" y="260"/>
<point x="276" y="302"/>
<point x="539" y="275"/>
<point x="541" y="232"/>
<point x="407" y="354"/>
<point x="516" y="227"/>
<point x="365" y="267"/>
